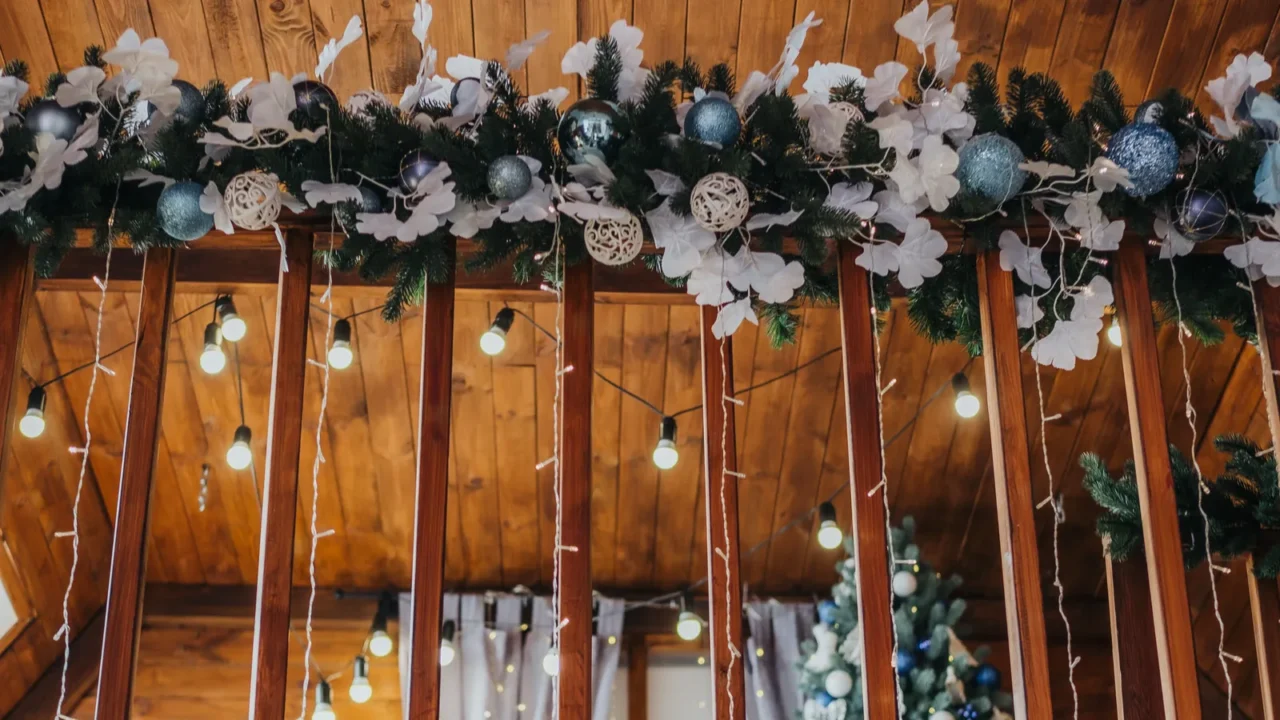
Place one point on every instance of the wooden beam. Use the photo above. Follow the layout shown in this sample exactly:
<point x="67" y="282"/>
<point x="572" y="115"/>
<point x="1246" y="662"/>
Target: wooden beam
<point x="638" y="677"/>
<point x="574" y="458"/>
<point x="1266" y="308"/>
<point x="41" y="700"/>
<point x="1264" y="595"/>
<point x="866" y="473"/>
<point x="1011" y="463"/>
<point x="720" y="488"/>
<point x="432" y="495"/>
<point x="1133" y="640"/>
<point x="17" y="288"/>
<point x="1174" y="647"/>
<point x="269" y="684"/>
<point x="123" y="614"/>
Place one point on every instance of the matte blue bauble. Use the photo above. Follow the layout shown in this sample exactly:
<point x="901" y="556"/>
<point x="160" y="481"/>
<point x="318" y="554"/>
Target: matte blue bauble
<point x="1201" y="214"/>
<point x="1149" y="153"/>
<point x="414" y="167"/>
<point x="989" y="167"/>
<point x="987" y="676"/>
<point x="924" y="645"/>
<point x="312" y="96"/>
<point x="824" y="698"/>
<point x="179" y="213"/>
<point x="827" y="612"/>
<point x="509" y="177"/>
<point x="713" y="120"/>
<point x="370" y="200"/>
<point x="591" y="128"/>
<point x="47" y="116"/>
<point x="906" y="662"/>
<point x="191" y="106"/>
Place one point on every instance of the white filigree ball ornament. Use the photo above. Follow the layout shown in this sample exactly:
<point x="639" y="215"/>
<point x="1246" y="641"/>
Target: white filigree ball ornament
<point x="614" y="241"/>
<point x="849" y="111"/>
<point x="253" y="200"/>
<point x="719" y="202"/>
<point x="361" y="102"/>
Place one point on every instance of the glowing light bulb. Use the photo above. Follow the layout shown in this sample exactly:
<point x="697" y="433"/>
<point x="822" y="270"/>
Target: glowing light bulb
<point x="967" y="404"/>
<point x="829" y="533"/>
<point x="360" y="691"/>
<point x="551" y="662"/>
<point x="494" y="340"/>
<point x="32" y="423"/>
<point x="1113" y="333"/>
<point x="689" y="626"/>
<point x="665" y="455"/>
<point x="340" y="353"/>
<point x="380" y="643"/>
<point x="447" y="651"/>
<point x="233" y="326"/>
<point x="240" y="454"/>
<point x="212" y="360"/>
<point x="324" y="703"/>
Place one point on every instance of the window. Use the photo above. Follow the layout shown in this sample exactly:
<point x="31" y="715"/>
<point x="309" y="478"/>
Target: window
<point x="15" y="606"/>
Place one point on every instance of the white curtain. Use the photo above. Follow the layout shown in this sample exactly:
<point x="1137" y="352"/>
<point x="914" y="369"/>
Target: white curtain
<point x="773" y="676"/>
<point x="498" y="668"/>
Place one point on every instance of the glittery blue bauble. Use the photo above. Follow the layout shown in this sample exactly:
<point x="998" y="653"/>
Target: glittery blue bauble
<point x="509" y="177"/>
<point x="1201" y="214"/>
<point x="827" y="612"/>
<point x="1149" y="153"/>
<point x="989" y="167"/>
<point x="906" y="662"/>
<point x="191" y="106"/>
<point x="1149" y="112"/>
<point x="987" y="676"/>
<point x="713" y="120"/>
<point x="591" y="127"/>
<point x="47" y="116"/>
<point x="924" y="645"/>
<point x="312" y="96"/>
<point x="823" y="697"/>
<point x="179" y="213"/>
<point x="414" y="167"/>
<point x="968" y="712"/>
<point x="370" y="200"/>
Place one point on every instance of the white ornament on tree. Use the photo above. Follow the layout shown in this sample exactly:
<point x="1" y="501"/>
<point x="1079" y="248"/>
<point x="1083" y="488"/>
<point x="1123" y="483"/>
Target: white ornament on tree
<point x="720" y="202"/>
<point x="838" y="683"/>
<point x="825" y="656"/>
<point x="851" y="648"/>
<point x="850" y="111"/>
<point x="942" y="715"/>
<point x="253" y="200"/>
<point x="904" y="583"/>
<point x="614" y="241"/>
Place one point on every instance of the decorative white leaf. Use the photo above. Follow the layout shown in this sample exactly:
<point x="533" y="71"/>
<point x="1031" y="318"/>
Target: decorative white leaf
<point x="824" y="77"/>
<point x="1245" y="71"/>
<point x="931" y="175"/>
<point x="467" y="219"/>
<point x="317" y="193"/>
<point x="896" y="132"/>
<point x="533" y="206"/>
<point x="853" y="199"/>
<point x="1264" y="255"/>
<point x="433" y="182"/>
<point x="334" y="47"/>
<point x="239" y="87"/>
<point x="1092" y="301"/>
<point x="709" y="282"/>
<point x="1173" y="243"/>
<point x="580" y="58"/>
<point x="919" y="252"/>
<point x="146" y="177"/>
<point x="731" y="317"/>
<point x="924" y="30"/>
<point x="82" y="86"/>
<point x="1047" y="170"/>
<point x="896" y="211"/>
<point x="520" y="52"/>
<point x="755" y="86"/>
<point x="786" y="71"/>
<point x="1068" y="341"/>
<point x="826" y="129"/>
<point x="554" y="96"/>
<point x="1106" y="175"/>
<point x="943" y="112"/>
<point x="1026" y="261"/>
<point x="1104" y="236"/>
<point x="878" y="257"/>
<point x="883" y="86"/>
<point x="680" y="237"/>
<point x="946" y="56"/>
<point x="464" y="66"/>
<point x="764" y="221"/>
<point x="12" y="90"/>
<point x="212" y="202"/>
<point x="421" y="21"/>
<point x="774" y="279"/>
<point x="665" y="183"/>
<point x="1029" y="311"/>
<point x="591" y="211"/>
<point x="593" y="172"/>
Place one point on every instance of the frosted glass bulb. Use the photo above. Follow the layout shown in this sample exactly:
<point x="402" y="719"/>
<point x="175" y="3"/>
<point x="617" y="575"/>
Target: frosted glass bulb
<point x="213" y="360"/>
<point x="665" y="455"/>
<point x="32" y="424"/>
<point x="361" y="691"/>
<point x="380" y="643"/>
<point x="239" y="456"/>
<point x="493" y="341"/>
<point x="830" y="535"/>
<point x="967" y="404"/>
<point x="1113" y="333"/>
<point x="447" y="653"/>
<point x="323" y="711"/>
<point x="340" y="356"/>
<point x="551" y="662"/>
<point x="233" y="328"/>
<point x="689" y="627"/>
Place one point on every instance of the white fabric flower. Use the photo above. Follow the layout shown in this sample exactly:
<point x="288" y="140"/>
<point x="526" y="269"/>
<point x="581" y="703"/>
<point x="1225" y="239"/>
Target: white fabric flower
<point x="775" y="280"/>
<point x="1106" y="175"/>
<point x="517" y="54"/>
<point x="1092" y="301"/>
<point x="1068" y="341"/>
<point x="1245" y="71"/>
<point x="82" y="86"/>
<point x="731" y="316"/>
<point x="878" y="257"/>
<point x="824" y="77"/>
<point x="853" y="199"/>
<point x="534" y="206"/>
<point x="755" y="86"/>
<point x="1264" y="255"/>
<point x="467" y="219"/>
<point x="681" y="239"/>
<point x="554" y="96"/>
<point x="786" y="70"/>
<point x="146" y="69"/>
<point x="946" y="57"/>
<point x="317" y="193"/>
<point x="1173" y="243"/>
<point x="709" y="282"/>
<point x="883" y="86"/>
<point x="424" y="83"/>
<point x="1026" y="261"/>
<point x="826" y="129"/>
<point x="581" y="58"/>
<point x="335" y="46"/>
<point x="931" y="175"/>
<point x="764" y="221"/>
<point x="896" y="211"/>
<point x="665" y="183"/>
<point x="896" y="132"/>
<point x="212" y="202"/>
<point x="1029" y="311"/>
<point x="12" y="90"/>
<point x="146" y="177"/>
<point x="943" y="112"/>
<point x="919" y="252"/>
<point x="924" y="29"/>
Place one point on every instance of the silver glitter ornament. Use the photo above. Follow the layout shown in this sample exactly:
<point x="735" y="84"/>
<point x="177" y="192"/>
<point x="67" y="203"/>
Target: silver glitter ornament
<point x="1201" y="214"/>
<point x="413" y="168"/>
<point x="312" y="96"/>
<point x="509" y="177"/>
<point x="47" y="116"/>
<point x="989" y="167"/>
<point x="591" y="128"/>
<point x="1149" y="153"/>
<point x="179" y="213"/>
<point x="713" y="120"/>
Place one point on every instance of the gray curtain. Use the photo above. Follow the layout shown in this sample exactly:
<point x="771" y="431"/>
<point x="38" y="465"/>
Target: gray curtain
<point x="773" y="657"/>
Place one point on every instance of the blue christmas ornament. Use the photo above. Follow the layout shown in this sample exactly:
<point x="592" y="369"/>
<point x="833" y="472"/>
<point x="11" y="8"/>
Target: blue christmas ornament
<point x="191" y="106"/>
<point x="47" y="116"/>
<point x="827" y="612"/>
<point x="1266" y="181"/>
<point x="924" y="645"/>
<point x="987" y="676"/>
<point x="989" y="167"/>
<point x="179" y="213"/>
<point x="969" y="712"/>
<point x="1150" y="111"/>
<point x="591" y="128"/>
<point x="370" y="200"/>
<point x="824" y="698"/>
<point x="413" y="168"/>
<point x="1201" y="214"/>
<point x="509" y="177"/>
<point x="311" y="96"/>
<point x="713" y="120"/>
<point x="906" y="662"/>
<point x="1149" y="153"/>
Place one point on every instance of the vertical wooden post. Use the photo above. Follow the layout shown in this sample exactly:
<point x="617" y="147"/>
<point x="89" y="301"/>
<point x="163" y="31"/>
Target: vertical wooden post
<point x="434" y="402"/>
<point x="866" y="470"/>
<point x="638" y="678"/>
<point x="1137" y="676"/>
<point x="1175" y="650"/>
<point x="1011" y="462"/>
<point x="1264" y="595"/>
<point x="269" y="683"/>
<point x="133" y="508"/>
<point x="724" y="594"/>
<point x="574" y="456"/>
<point x="17" y="288"/>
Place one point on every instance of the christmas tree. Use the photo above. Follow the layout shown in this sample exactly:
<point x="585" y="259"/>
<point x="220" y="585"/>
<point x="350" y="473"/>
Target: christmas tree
<point x="940" y="679"/>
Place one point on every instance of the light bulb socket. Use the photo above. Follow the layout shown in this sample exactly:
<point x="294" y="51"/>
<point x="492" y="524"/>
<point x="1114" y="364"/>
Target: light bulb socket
<point x="342" y="332"/>
<point x="226" y="308"/>
<point x="243" y="435"/>
<point x="360" y="668"/>
<point x="502" y="321"/>
<point x="212" y="336"/>
<point x="324" y="693"/>
<point x="448" y="631"/>
<point x="960" y="383"/>
<point x="668" y="429"/>
<point x="36" y="400"/>
<point x="826" y="513"/>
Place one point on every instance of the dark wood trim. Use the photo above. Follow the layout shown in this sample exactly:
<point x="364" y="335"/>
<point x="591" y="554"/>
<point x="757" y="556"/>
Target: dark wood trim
<point x="431" y="499"/>
<point x="1175" y="648"/>
<point x="269" y="685"/>
<point x="17" y="290"/>
<point x="123" y="614"/>
<point x="637" y="677"/>
<point x="574" y="457"/>
<point x="1267" y="309"/>
<point x="1011" y="465"/>
<point x="1264" y="606"/>
<point x="724" y="592"/>
<point x="1133" y="638"/>
<point x="866" y="472"/>
<point x="41" y="700"/>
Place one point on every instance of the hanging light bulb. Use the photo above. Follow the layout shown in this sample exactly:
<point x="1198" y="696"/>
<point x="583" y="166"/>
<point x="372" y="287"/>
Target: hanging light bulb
<point x="494" y="340"/>
<point x="233" y="327"/>
<point x="665" y="455"/>
<point x="551" y="662"/>
<point x="829" y="533"/>
<point x="1113" y="332"/>
<point x="380" y="643"/>
<point x="32" y="423"/>
<point x="324" y="702"/>
<point x="447" y="651"/>
<point x="240" y="454"/>
<point x="212" y="360"/>
<point x="689" y="626"/>
<point x="340" y="354"/>
<point x="967" y="404"/>
<point x="360" y="690"/>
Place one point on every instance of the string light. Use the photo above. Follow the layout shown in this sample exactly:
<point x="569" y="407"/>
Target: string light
<point x="1113" y="332"/>
<point x="380" y="643"/>
<point x="829" y="533"/>
<point x="212" y="360"/>
<point x="551" y="662"/>
<point x="32" y="423"/>
<point x="233" y="326"/>
<point x="967" y="404"/>
<point x="447" y="650"/>
<point x="665" y="455"/>
<point x="361" y="691"/>
<point x="340" y="353"/>
<point x="494" y="340"/>
<point x="689" y="626"/>
<point x="240" y="454"/>
<point x="324" y="703"/>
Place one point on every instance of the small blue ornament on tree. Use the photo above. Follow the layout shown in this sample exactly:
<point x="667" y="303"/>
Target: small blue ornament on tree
<point x="311" y="96"/>
<point x="179" y="213"/>
<point x="1148" y="152"/>
<point x="591" y="128"/>
<point x="370" y="200"/>
<point x="824" y="698"/>
<point x="413" y="168"/>
<point x="509" y="177"/>
<point x="47" y="116"/>
<point x="987" y="676"/>
<point x="968" y="712"/>
<point x="906" y="662"/>
<point x="713" y="120"/>
<point x="989" y="167"/>
<point x="924" y="645"/>
<point x="827" y="611"/>
<point x="1201" y="214"/>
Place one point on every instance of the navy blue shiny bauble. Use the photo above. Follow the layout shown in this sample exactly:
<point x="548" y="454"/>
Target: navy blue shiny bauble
<point x="191" y="107"/>
<point x="370" y="200"/>
<point x="827" y="612"/>
<point x="989" y="167"/>
<point x="591" y="128"/>
<point x="312" y="96"/>
<point x="509" y="177"/>
<point x="906" y="662"/>
<point x="823" y="697"/>
<point x="1201" y="214"/>
<point x="968" y="712"/>
<point x="179" y="213"/>
<point x="414" y="167"/>
<point x="924" y="645"/>
<point x="713" y="120"/>
<point x="987" y="676"/>
<point x="1149" y="153"/>
<point x="47" y="116"/>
